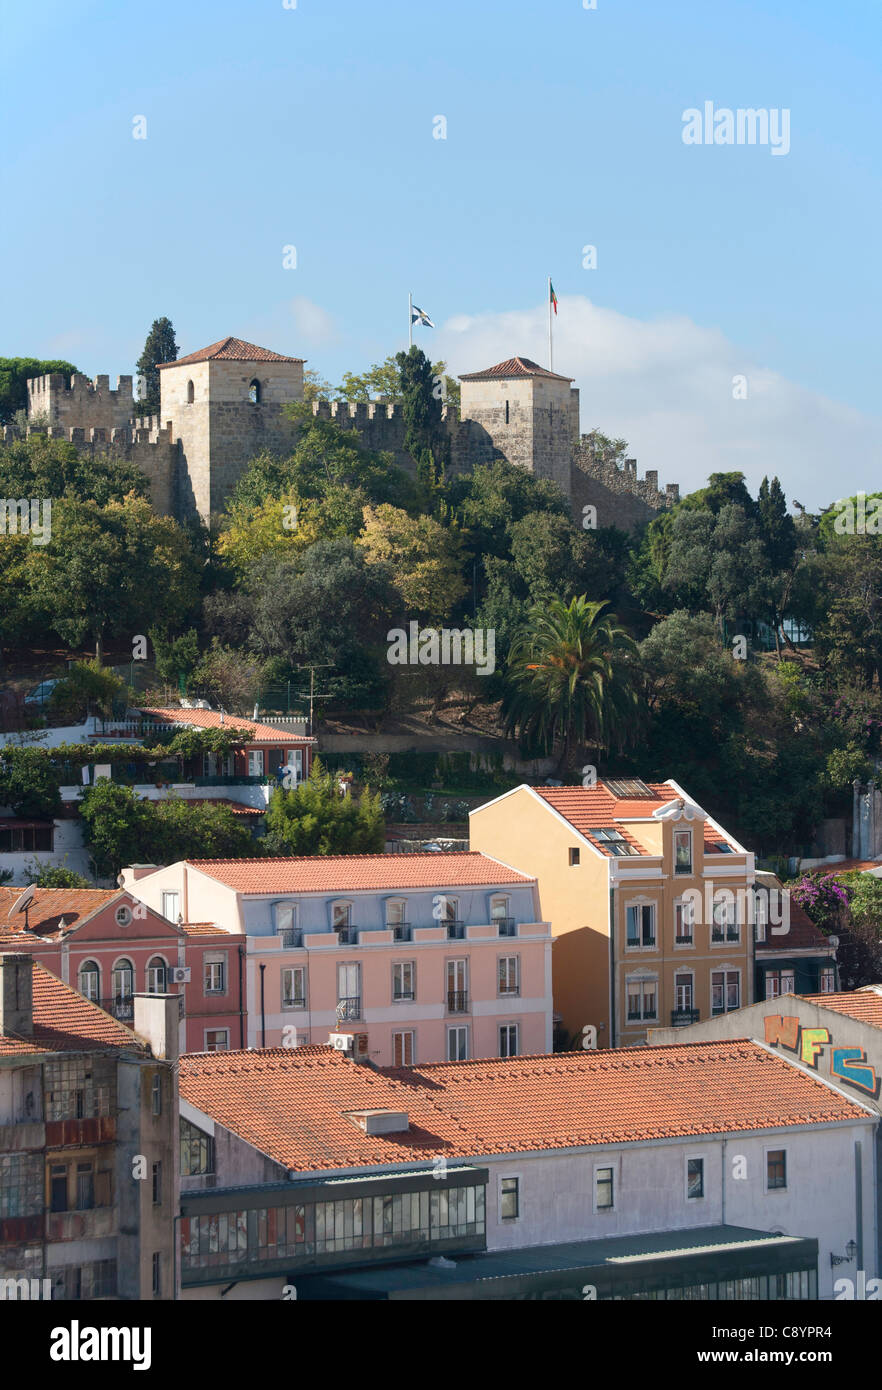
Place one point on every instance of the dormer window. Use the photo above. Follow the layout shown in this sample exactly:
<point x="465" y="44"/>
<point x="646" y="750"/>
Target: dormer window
<point x="285" y="915"/>
<point x="610" y="838"/>
<point x="254" y="392"/>
<point x="683" y="851"/>
<point x="341" y="916"/>
<point x="396" y="912"/>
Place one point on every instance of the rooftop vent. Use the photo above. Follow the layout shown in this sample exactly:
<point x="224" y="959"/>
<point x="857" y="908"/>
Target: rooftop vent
<point x="379" y="1121"/>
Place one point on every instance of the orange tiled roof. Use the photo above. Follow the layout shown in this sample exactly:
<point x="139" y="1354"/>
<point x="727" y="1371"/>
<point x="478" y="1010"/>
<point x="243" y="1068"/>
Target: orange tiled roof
<point x="211" y="719"/>
<point x="230" y="350"/>
<point x="593" y="808"/>
<point x="335" y="873"/>
<point x="863" y="1005"/>
<point x="514" y="367"/>
<point x="205" y="929"/>
<point x="802" y="936"/>
<point x="291" y="1103"/>
<point x="49" y="905"/>
<point x="66" y="1022"/>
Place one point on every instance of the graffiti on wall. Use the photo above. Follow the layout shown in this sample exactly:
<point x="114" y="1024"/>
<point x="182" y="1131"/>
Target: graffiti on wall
<point x="848" y="1064"/>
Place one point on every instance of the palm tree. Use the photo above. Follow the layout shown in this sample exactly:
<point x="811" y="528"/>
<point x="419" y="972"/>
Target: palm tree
<point x="567" y="681"/>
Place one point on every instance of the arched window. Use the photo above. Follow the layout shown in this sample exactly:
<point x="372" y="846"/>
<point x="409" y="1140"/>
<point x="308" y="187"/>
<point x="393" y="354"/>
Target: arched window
<point x="254" y="392"/>
<point x="157" y="976"/>
<point x="123" y="980"/>
<point x="89" y="980"/>
<point x="191" y="393"/>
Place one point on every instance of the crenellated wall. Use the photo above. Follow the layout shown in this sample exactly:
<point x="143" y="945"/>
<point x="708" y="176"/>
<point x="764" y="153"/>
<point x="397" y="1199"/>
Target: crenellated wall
<point x="145" y="444"/>
<point x="78" y="402"/>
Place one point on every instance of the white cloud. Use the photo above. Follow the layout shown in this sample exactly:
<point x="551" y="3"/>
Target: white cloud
<point x="667" y="387"/>
<point x="297" y="326"/>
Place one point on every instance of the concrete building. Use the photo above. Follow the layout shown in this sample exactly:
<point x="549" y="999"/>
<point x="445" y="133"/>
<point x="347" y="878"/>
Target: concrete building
<point x="88" y="1142"/>
<point x="713" y="1171"/>
<point x="649" y="899"/>
<point x="421" y="956"/>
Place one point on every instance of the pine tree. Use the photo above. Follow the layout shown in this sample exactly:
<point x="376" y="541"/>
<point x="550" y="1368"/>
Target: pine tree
<point x="421" y="406"/>
<point x="159" y="347"/>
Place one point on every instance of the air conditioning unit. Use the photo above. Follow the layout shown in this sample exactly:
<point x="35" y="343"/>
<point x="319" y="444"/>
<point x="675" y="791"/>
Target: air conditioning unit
<point x="343" y="1042"/>
<point x="180" y="974"/>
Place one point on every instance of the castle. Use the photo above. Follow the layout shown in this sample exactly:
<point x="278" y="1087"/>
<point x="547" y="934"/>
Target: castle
<point x="221" y="406"/>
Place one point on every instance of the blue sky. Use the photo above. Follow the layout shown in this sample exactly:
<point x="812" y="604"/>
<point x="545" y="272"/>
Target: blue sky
<point x="313" y="127"/>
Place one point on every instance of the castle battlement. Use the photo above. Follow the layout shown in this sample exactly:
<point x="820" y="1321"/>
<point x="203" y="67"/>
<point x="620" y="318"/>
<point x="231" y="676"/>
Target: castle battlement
<point x="78" y="385"/>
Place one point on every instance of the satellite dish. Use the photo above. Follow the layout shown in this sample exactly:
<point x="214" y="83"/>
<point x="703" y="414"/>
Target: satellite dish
<point x="23" y="901"/>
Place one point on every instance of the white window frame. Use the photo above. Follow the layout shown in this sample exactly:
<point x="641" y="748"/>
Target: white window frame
<point x="513" y="977"/>
<point x="256" y="762"/>
<point x="605" y="1167"/>
<point x="678" y="987"/>
<point x="446" y="903"/>
<point x="725" y="971"/>
<point x="637" y="905"/>
<point x="684" y="909"/>
<point x="730" y="920"/>
<point x="280" y="911"/>
<point x="827" y="972"/>
<point x="770" y="1149"/>
<point x="401" y="965"/>
<point x="517" y="1039"/>
<point x="150" y="968"/>
<point x="395" y="903"/>
<point x="641" y="983"/>
<point x="457" y="1028"/>
<point x="171" y="893"/>
<point x="226" y="1033"/>
<point x="294" y="763"/>
<point x="340" y="904"/>
<point x="113" y="969"/>
<point x="404" y="1033"/>
<point x="690" y="870"/>
<point x="96" y="973"/>
<point x="505" y="900"/>
<point x="516" y="1179"/>
<point x="292" y="970"/>
<point x="208" y="961"/>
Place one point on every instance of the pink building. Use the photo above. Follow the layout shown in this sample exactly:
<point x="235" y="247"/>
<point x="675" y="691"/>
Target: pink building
<point x="109" y="945"/>
<point x="423" y="957"/>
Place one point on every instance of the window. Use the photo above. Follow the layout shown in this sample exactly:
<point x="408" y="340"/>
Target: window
<point x="255" y="762"/>
<point x="122" y="981"/>
<point x="157" y="1184"/>
<point x="217" y="1039"/>
<point x="641" y="925"/>
<point x="123" y="915"/>
<point x="21" y="1185"/>
<point x="156" y="1093"/>
<point x="683" y="991"/>
<point x="449" y="909"/>
<point x="682" y="851"/>
<point x="294" y="987"/>
<point x="508" y="1040"/>
<point x="403" y="981"/>
<point x="613" y="840"/>
<point x="294" y="764"/>
<point x="215" y="974"/>
<point x="776" y="1169"/>
<point x="725" y="991"/>
<point x="725" y="925"/>
<point x="722" y="847"/>
<point x="574" y="857"/>
<point x="89" y="1281"/>
<point x="157" y="976"/>
<point x="827" y="980"/>
<point x="77" y="1186"/>
<point x="348" y="991"/>
<point x="341" y="916"/>
<point x="58" y="1187"/>
<point x="285" y="916"/>
<point x="641" y="999"/>
<point x="760" y="913"/>
<point x="457" y="1044"/>
<point x="254" y="392"/>
<point x="684" y="919"/>
<point x="89" y="980"/>
<point x="509" y="1199"/>
<point x="506" y="412"/>
<point x="17" y="838"/>
<point x="499" y="909"/>
<point x="403" y="1049"/>
<point x="396" y="912"/>
<point x="197" y="1151"/>
<point x="603" y="1189"/>
<point x="191" y="393"/>
<point x="170" y="906"/>
<point x="694" y="1177"/>
<point x="457" y="986"/>
<point x="508" y="976"/>
<point x="780" y="982"/>
<point x="157" y="1274"/>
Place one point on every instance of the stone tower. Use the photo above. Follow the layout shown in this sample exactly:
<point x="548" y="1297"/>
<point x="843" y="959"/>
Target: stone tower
<point x="224" y="406"/>
<point x="530" y="414"/>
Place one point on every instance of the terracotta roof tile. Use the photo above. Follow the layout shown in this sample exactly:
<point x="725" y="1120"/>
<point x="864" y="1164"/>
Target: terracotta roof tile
<point x="66" y="1022"/>
<point x="205" y="929"/>
<point x="863" y="1005"/>
<point x="290" y="1103"/>
<point x="211" y="719"/>
<point x="803" y="935"/>
<point x="230" y="350"/>
<point x="596" y="807"/>
<point x="513" y="367"/>
<point x="335" y="873"/>
<point x="49" y="905"/>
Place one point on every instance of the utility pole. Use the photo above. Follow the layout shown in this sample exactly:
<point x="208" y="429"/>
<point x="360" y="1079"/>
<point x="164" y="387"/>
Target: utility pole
<point x="320" y="666"/>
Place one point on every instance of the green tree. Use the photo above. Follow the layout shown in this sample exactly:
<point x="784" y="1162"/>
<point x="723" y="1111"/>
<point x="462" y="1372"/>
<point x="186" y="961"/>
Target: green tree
<point x="15" y="372"/>
<point x="568" y="679"/>
<point x="175" y="657"/>
<point x="160" y="346"/>
<point x="424" y="438"/>
<point x="53" y="468"/>
<point x="55" y="876"/>
<point x="121" y="828"/>
<point x="315" y="818"/>
<point x="29" y="783"/>
<point x="425" y="559"/>
<point x="87" y="688"/>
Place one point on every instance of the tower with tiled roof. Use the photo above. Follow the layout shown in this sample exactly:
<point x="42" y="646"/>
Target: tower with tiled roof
<point x="530" y="414"/>
<point x="225" y="404"/>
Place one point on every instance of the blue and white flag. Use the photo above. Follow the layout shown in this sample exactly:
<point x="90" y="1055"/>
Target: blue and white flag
<point x="418" y="315"/>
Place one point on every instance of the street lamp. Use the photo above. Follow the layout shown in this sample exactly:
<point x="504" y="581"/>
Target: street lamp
<point x="850" y="1252"/>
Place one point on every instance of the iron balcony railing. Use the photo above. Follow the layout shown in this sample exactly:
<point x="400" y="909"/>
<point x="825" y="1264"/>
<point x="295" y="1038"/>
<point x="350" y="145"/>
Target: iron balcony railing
<point x="457" y="1001"/>
<point x="349" y="1009"/>
<point x="400" y="931"/>
<point x="455" y="931"/>
<point x="291" y="938"/>
<point x="294" y="1001"/>
<point x="680" y="1018"/>
<point x="347" y="936"/>
<point x="506" y="926"/>
<point x="121" y="1006"/>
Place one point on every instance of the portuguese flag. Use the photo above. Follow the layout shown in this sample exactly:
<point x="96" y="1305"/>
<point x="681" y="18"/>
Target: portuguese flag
<point x="553" y="295"/>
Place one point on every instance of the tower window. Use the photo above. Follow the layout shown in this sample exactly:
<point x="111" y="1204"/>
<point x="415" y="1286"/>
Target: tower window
<point x="254" y="392"/>
<point x="506" y="412"/>
<point x="191" y="393"/>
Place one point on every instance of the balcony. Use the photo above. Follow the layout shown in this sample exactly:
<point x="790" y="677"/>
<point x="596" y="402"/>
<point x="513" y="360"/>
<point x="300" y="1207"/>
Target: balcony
<point x="401" y="931"/>
<point x="506" y="926"/>
<point x="347" y="936"/>
<point x="291" y="938"/>
<point x="681" y="1018"/>
<point x="457" y="1001"/>
<point x="295" y="1001"/>
<point x="403" y="996"/>
<point x="686" y="940"/>
<point x="349" y="1010"/>
<point x="122" y="1007"/>
<point x="455" y="931"/>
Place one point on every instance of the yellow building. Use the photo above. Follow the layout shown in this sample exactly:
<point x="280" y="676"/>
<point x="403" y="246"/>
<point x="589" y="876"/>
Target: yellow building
<point x="650" y="901"/>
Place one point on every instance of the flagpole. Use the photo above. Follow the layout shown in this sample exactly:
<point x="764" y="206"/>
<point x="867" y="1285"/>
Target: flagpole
<point x="410" y="320"/>
<point x="550" y="346"/>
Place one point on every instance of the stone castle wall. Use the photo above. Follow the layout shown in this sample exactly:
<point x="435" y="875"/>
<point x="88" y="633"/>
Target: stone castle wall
<point x="77" y="402"/>
<point x="142" y="443"/>
<point x="621" y="498"/>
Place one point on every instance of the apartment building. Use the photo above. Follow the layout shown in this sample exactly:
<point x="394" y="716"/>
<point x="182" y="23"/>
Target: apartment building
<point x="650" y="901"/>
<point x="110" y="946"/>
<point x="423" y="957"/>
<point x="707" y="1171"/>
<point x="88" y="1142"/>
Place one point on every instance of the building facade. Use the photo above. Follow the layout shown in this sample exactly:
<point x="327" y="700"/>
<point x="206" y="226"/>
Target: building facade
<point x="422" y="956"/>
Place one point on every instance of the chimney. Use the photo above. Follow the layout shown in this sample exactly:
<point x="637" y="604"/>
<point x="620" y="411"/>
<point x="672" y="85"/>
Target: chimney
<point x="157" y="1020"/>
<point x="16" y="994"/>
